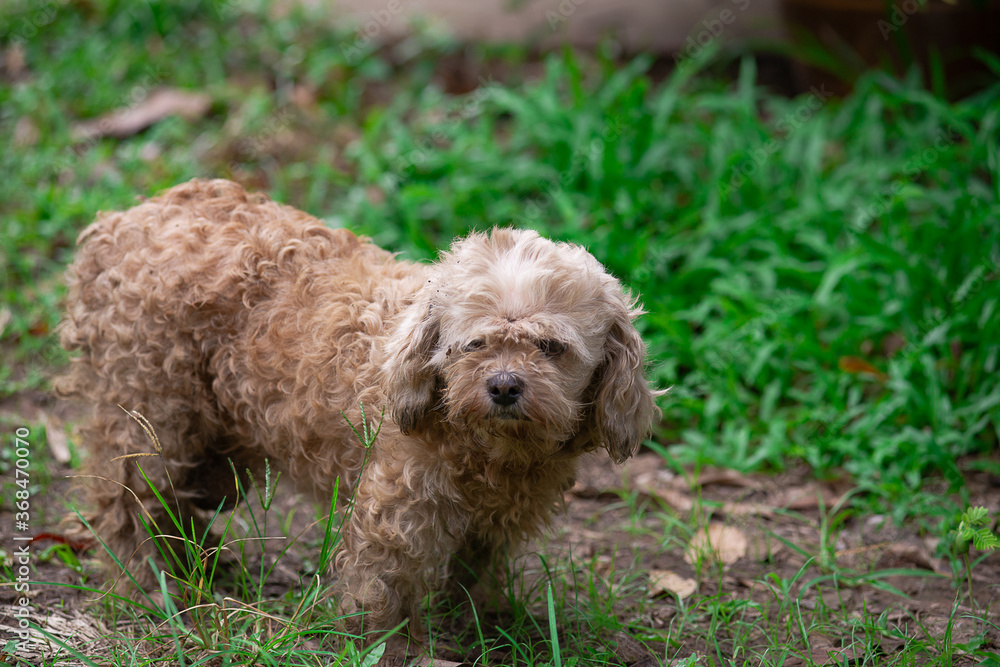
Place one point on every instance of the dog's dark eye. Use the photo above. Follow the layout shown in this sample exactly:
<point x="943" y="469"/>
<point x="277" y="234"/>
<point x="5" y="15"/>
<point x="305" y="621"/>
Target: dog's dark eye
<point x="551" y="348"/>
<point x="474" y="345"/>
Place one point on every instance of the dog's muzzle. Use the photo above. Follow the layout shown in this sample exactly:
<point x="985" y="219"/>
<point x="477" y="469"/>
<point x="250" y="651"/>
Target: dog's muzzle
<point x="505" y="389"/>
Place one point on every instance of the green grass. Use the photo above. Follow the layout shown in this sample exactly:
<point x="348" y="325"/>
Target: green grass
<point x="820" y="274"/>
<point x="255" y="627"/>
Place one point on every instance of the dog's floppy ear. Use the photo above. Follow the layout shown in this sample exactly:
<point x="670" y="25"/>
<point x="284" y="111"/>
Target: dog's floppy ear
<point x="624" y="407"/>
<point x="409" y="372"/>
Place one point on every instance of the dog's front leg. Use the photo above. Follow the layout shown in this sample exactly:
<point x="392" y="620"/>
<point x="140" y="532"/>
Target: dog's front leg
<point x="397" y="546"/>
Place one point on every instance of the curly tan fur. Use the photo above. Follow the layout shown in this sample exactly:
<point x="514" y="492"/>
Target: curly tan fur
<point x="241" y="329"/>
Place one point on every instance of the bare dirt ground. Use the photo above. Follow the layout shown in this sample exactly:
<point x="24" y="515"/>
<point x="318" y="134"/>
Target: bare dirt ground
<point x="714" y="565"/>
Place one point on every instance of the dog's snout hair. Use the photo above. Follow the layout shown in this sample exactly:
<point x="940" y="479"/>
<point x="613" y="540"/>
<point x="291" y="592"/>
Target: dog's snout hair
<point x="505" y="388"/>
<point x="246" y="331"/>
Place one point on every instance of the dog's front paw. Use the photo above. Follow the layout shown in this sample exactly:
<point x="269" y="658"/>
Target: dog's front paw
<point x="368" y="607"/>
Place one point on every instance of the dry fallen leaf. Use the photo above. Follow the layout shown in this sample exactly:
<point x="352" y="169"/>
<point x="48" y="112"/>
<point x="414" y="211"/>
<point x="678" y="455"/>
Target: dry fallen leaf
<point x="582" y="535"/>
<point x="900" y="554"/>
<point x="821" y="649"/>
<point x="723" y="477"/>
<point x="425" y="661"/>
<point x="856" y="365"/>
<point x="132" y="119"/>
<point x="807" y="497"/>
<point x="58" y="442"/>
<point x="14" y="61"/>
<point x="647" y="462"/>
<point x="892" y="344"/>
<point x="649" y="483"/>
<point x="304" y="96"/>
<point x="26" y="133"/>
<point x="39" y="328"/>
<point x="747" y="509"/>
<point x="666" y="581"/>
<point x="725" y="544"/>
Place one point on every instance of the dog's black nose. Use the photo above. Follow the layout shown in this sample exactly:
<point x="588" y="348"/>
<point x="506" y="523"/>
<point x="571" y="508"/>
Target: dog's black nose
<point x="505" y="388"/>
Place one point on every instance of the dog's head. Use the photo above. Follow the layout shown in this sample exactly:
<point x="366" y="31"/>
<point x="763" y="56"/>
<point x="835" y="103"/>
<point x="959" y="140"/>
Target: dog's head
<point x="525" y="344"/>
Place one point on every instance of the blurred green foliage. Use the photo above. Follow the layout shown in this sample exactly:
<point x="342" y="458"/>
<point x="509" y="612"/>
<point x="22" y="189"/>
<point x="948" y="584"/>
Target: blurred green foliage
<point x="820" y="274"/>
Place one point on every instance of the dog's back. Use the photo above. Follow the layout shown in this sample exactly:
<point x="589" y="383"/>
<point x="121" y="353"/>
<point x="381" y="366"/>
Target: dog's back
<point x="182" y="272"/>
<point x="237" y="326"/>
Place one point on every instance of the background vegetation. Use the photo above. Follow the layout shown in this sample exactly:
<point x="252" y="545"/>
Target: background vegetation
<point x="820" y="273"/>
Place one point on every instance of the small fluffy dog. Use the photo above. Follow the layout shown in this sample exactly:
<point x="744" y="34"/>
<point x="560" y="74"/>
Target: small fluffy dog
<point x="244" y="330"/>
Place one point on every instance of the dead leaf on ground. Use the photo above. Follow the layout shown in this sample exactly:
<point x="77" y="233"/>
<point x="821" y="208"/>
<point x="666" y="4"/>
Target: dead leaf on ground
<point x="630" y="650"/>
<point x="650" y="483"/>
<point x="807" y="497"/>
<point x="57" y="440"/>
<point x="856" y="365"/>
<point x="726" y="478"/>
<point x="159" y="104"/>
<point x="26" y="133"/>
<point x="581" y="535"/>
<point x="71" y="628"/>
<point x="14" y="62"/>
<point x="911" y="554"/>
<point x="39" y="328"/>
<point x="824" y="651"/>
<point x="820" y="649"/>
<point x="594" y="478"/>
<point x="667" y="581"/>
<point x="648" y="661"/>
<point x="726" y="544"/>
<point x="647" y="462"/>
<point x="762" y="546"/>
<point x="892" y="344"/>
<point x="304" y="96"/>
<point x="436" y="662"/>
<point x="897" y="555"/>
<point x="747" y="509"/>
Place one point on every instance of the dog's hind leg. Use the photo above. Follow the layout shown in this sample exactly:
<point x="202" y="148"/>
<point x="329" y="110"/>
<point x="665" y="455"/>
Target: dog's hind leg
<point x="139" y="493"/>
